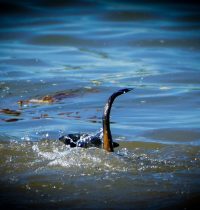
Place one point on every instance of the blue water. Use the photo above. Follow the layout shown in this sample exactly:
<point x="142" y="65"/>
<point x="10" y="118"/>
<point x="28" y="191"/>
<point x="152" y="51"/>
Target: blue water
<point x="79" y="53"/>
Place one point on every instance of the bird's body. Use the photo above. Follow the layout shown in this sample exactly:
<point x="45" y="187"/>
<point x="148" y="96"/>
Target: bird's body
<point x="84" y="140"/>
<point x="98" y="140"/>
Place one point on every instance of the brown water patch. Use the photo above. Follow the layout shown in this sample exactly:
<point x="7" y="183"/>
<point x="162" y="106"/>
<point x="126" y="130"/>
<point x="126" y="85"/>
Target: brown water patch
<point x="42" y="116"/>
<point x="58" y="96"/>
<point x="10" y="112"/>
<point x="43" y="100"/>
<point x="70" y="115"/>
<point x="47" y="99"/>
<point x="11" y="120"/>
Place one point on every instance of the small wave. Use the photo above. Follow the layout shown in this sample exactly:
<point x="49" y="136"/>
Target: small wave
<point x="126" y="16"/>
<point x="62" y="40"/>
<point x="49" y="157"/>
<point x="91" y="159"/>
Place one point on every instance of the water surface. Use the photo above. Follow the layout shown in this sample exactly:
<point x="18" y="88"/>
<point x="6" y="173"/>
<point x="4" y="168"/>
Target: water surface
<point x="78" y="53"/>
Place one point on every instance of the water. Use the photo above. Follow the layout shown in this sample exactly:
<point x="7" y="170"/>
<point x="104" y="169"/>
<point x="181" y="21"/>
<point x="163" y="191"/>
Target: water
<point x="79" y="53"/>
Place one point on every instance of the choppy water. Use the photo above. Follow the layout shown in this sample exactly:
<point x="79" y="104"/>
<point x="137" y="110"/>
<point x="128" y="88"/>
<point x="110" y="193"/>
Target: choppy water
<point x="79" y="53"/>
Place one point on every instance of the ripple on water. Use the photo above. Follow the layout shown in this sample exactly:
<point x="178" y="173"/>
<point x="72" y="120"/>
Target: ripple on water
<point x="62" y="40"/>
<point x="47" y="155"/>
<point x="126" y="16"/>
<point x="23" y="62"/>
<point x="177" y="136"/>
<point x="48" y="171"/>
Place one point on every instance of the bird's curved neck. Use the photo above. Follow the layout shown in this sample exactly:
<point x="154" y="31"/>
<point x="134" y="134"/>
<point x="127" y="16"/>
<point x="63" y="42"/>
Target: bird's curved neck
<point x="107" y="137"/>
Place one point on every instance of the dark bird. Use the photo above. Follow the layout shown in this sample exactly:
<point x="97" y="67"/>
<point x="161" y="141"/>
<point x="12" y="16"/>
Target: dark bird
<point x="86" y="140"/>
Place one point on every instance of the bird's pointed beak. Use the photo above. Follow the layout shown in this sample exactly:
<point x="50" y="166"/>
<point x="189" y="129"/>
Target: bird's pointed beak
<point x="129" y="89"/>
<point x="126" y="90"/>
